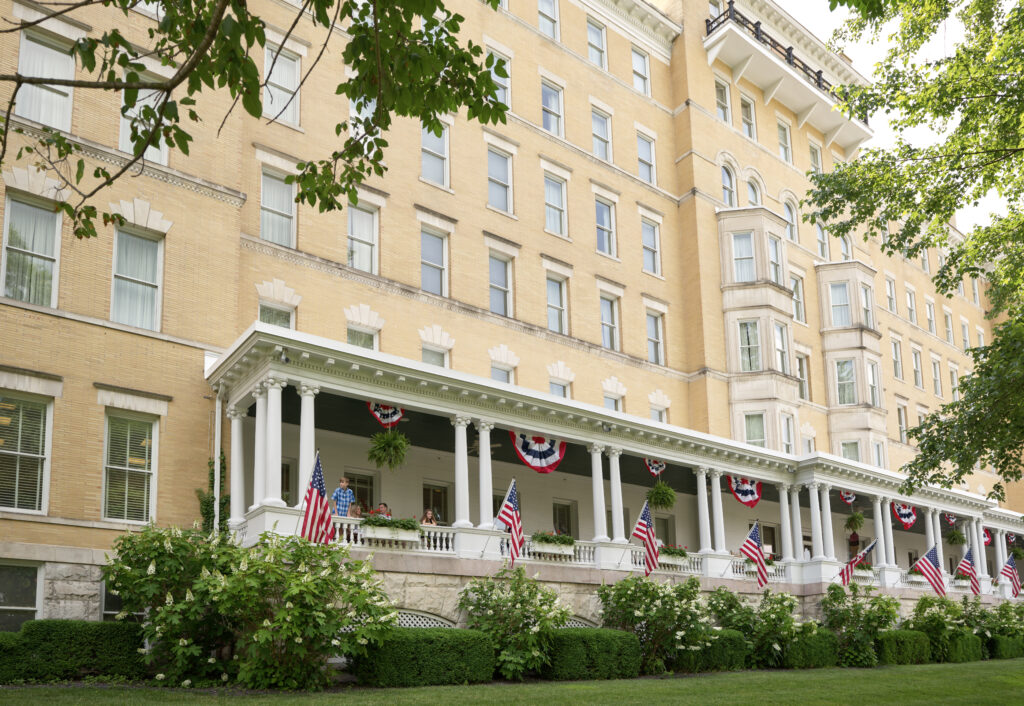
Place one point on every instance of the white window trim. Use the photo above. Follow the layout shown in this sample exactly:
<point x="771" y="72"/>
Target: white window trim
<point x="555" y="273"/>
<point x="647" y="70"/>
<point x="158" y="314"/>
<point x="789" y="133"/>
<point x="33" y="389"/>
<point x="502" y="256"/>
<point x="616" y="322"/>
<point x="657" y="246"/>
<point x="658" y="314"/>
<point x="279" y="307"/>
<point x="276" y="173"/>
<point x="40" y="577"/>
<point x="557" y="20"/>
<point x="445" y="266"/>
<point x="753" y="115"/>
<point x="613" y="244"/>
<point x="374" y="210"/>
<point x="719" y="79"/>
<point x="501" y="152"/>
<point x="604" y="42"/>
<point x="124" y="131"/>
<point x="289" y="53"/>
<point x="58" y="41"/>
<point x="39" y="203"/>
<point x="154" y="455"/>
<point x="560" y="90"/>
<point x="446" y="129"/>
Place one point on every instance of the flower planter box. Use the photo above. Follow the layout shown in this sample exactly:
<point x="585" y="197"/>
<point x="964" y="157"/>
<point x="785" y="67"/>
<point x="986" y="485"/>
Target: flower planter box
<point x="392" y="534"/>
<point x="556" y="549"/>
<point x="673" y="560"/>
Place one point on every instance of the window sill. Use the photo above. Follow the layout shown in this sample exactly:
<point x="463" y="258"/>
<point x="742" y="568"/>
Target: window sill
<point x="290" y="126"/>
<point x="20" y="511"/>
<point x="506" y="214"/>
<point x="558" y="235"/>
<point x="610" y="257"/>
<point x="656" y="275"/>
<point x="436" y="185"/>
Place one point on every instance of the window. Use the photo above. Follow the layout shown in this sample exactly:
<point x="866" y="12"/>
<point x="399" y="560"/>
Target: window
<point x="775" y="260"/>
<point x="49" y="105"/>
<point x="361" y="116"/>
<point x="558" y="389"/>
<point x="129" y="468"/>
<point x="925" y="262"/>
<point x="138" y="265"/>
<point x="31" y="246"/>
<point x="965" y="334"/>
<point x="867" y="305"/>
<point x="641" y="72"/>
<point x="975" y="294"/>
<point x="658" y="414"/>
<point x="781" y="349"/>
<point x="785" y="148"/>
<point x="808" y="449"/>
<point x="112" y="605"/>
<point x="23" y="446"/>
<point x="563" y="517"/>
<point x="551" y="108"/>
<point x="915" y="356"/>
<point x="499" y="180"/>
<point x="362" y="239"/>
<point x="911" y="306"/>
<point x="981" y="338"/>
<point x="846" y="382"/>
<point x="743" y="257"/>
<point x="878" y="449"/>
<point x="154" y="152"/>
<point x="728" y="187"/>
<point x="789" y="211"/>
<point x="753" y="193"/>
<point x="275" y="316"/>
<point x="954" y="384"/>
<point x="433" y="263"/>
<point x="613" y="403"/>
<point x="797" y="285"/>
<point x="363" y="339"/>
<point x="845" y="249"/>
<point x="655" y="339"/>
<point x="722" y="102"/>
<point x="822" y="241"/>
<point x="815" y="154"/>
<point x="750" y="347"/>
<point x="432" y="356"/>
<point x="949" y="327"/>
<point x="547" y="17"/>
<point x="503" y="85"/>
<point x="890" y="294"/>
<point x="434" y="156"/>
<point x="747" y="118"/>
<point x="277" y="210"/>
<point x="840" y="293"/>
<point x="787" y="433"/>
<point x="554" y="205"/>
<point x="501" y="374"/>
<point x="901" y="422"/>
<point x="897" y="358"/>
<point x="753" y="428"/>
<point x="802" y="374"/>
<point x="605" y="219"/>
<point x="600" y="128"/>
<point x="20" y="598"/>
<point x="610" y="323"/>
<point x="850" y="450"/>
<point x="500" y="285"/>
<point x="558" y="321"/>
<point x="595" y="43"/>
<point x="645" y="158"/>
<point x="936" y="377"/>
<point x="281" y="96"/>
<point x="650" y="238"/>
<point x="874" y="389"/>
<point x="714" y="8"/>
<point x="929" y="312"/>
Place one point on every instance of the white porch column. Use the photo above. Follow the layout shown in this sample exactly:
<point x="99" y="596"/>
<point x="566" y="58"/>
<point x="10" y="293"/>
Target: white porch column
<point x="716" y="511"/>
<point x="929" y="529"/>
<point x="237" y="489"/>
<point x="817" y="551"/>
<point x="981" y="549"/>
<point x="974" y="540"/>
<point x="798" y="527"/>
<point x="703" y="523"/>
<point x="597" y="488"/>
<point x="461" y="473"/>
<point x="937" y="521"/>
<point x="259" y="455"/>
<point x="273" y="489"/>
<point x="1000" y="544"/>
<point x="486" y="480"/>
<point x="787" y="533"/>
<point x="880" y="558"/>
<point x="615" y="481"/>
<point x="307" y="438"/>
<point x="826" y="522"/>
<point x="890" y="547"/>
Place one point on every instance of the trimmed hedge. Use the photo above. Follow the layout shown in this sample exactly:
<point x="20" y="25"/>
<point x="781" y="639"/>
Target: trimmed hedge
<point x="427" y="657"/>
<point x="728" y="652"/>
<point x="592" y="653"/>
<point x="964" y="646"/>
<point x="903" y="647"/>
<point x="1002" y="647"/>
<point x="812" y="649"/>
<point x="57" y="650"/>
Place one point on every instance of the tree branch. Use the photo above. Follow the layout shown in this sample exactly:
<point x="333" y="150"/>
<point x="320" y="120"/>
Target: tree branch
<point x="18" y="26"/>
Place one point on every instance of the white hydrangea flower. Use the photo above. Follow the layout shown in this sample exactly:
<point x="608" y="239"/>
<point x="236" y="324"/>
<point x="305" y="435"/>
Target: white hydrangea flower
<point x="152" y="568"/>
<point x="187" y="683"/>
<point x="335" y="643"/>
<point x="211" y="660"/>
<point x="362" y="641"/>
<point x="160" y="677"/>
<point x="298" y="641"/>
<point x="224" y="676"/>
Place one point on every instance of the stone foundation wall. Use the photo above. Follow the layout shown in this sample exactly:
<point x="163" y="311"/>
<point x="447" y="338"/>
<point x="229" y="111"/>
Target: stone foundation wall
<point x="72" y="591"/>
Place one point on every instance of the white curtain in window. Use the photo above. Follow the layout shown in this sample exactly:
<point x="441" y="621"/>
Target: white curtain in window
<point x="360" y="239"/>
<point x="50" y="105"/>
<point x="282" y="83"/>
<point x="553" y="201"/>
<point x="276" y="215"/>
<point x="154" y="153"/>
<point x="136" y="281"/>
<point x="754" y="429"/>
<point x="31" y="253"/>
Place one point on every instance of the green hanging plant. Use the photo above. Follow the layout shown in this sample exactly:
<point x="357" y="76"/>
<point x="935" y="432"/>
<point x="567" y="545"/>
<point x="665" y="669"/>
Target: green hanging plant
<point x="855" y="522"/>
<point x="661" y="496"/>
<point x="388" y="448"/>
<point x="1018" y="553"/>
<point x="956" y="538"/>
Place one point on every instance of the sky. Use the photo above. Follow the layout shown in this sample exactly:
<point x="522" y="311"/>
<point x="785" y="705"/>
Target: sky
<point x="816" y="17"/>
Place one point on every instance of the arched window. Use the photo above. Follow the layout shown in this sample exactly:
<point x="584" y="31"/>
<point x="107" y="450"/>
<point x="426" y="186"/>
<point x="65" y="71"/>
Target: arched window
<point x="789" y="211"/>
<point x="753" y="193"/>
<point x="822" y="241"/>
<point x="728" y="187"/>
<point x="846" y="248"/>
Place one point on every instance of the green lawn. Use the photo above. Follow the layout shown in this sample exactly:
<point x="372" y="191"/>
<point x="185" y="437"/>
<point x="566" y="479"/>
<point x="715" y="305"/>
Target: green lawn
<point x="995" y="682"/>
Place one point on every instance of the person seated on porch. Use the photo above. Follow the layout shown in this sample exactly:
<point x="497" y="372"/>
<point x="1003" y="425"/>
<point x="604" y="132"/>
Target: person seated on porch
<point x="428" y="518"/>
<point x="343" y="497"/>
<point x="355" y="510"/>
<point x="383" y="509"/>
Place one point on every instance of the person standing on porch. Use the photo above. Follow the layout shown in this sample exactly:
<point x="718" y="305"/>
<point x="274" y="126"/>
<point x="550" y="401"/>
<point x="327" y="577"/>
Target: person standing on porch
<point x="342" y="497"/>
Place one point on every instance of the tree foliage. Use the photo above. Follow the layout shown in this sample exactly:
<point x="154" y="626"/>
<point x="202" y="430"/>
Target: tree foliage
<point x="971" y="99"/>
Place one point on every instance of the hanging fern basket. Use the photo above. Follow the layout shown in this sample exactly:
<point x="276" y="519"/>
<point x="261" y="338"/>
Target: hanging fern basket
<point x="661" y="496"/>
<point x="388" y="449"/>
<point x="956" y="538"/>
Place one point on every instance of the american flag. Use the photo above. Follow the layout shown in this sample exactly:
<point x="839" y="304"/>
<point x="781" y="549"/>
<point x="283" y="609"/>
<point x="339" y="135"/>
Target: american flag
<point x="644" y="531"/>
<point x="846" y="574"/>
<point x="509" y="514"/>
<point x="929" y="567"/>
<point x="966" y="567"/>
<point x="751" y="548"/>
<point x="1010" y="572"/>
<point x="316" y="522"/>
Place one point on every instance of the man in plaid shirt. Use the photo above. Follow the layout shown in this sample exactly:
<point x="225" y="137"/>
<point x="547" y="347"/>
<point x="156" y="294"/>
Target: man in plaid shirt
<point x="343" y="497"/>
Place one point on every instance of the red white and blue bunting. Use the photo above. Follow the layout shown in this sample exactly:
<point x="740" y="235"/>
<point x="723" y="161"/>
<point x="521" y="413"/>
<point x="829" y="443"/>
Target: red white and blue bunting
<point x="539" y="453"/>
<point x="950" y="518"/>
<point x="847" y="496"/>
<point x="655" y="466"/>
<point x="1010" y="538"/>
<point x="747" y="491"/>
<point x="906" y="514"/>
<point x="988" y="536"/>
<point x="387" y="416"/>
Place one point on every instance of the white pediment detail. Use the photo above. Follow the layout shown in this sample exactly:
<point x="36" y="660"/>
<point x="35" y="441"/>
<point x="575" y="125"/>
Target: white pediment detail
<point x="503" y="356"/>
<point x="659" y="400"/>
<point x="561" y="372"/>
<point x="277" y="292"/>
<point x="362" y="317"/>
<point x="613" y="387"/>
<point x="139" y="213"/>
<point x="437" y="337"/>
<point x="32" y="180"/>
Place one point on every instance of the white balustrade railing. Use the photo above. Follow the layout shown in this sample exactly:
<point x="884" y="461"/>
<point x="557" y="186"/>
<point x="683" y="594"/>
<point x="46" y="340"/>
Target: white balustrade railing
<point x="691" y="564"/>
<point x="866" y="578"/>
<point x="432" y="540"/>
<point x="745" y="569"/>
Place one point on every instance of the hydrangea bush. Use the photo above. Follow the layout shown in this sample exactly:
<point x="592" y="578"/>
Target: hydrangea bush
<point x="770" y="627"/>
<point x="857" y="617"/>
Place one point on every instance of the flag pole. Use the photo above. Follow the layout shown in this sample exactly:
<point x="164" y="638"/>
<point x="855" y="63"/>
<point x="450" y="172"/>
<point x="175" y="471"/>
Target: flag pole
<point x="488" y="540"/>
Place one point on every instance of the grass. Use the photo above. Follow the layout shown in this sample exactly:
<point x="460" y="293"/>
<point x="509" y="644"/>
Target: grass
<point x="992" y="682"/>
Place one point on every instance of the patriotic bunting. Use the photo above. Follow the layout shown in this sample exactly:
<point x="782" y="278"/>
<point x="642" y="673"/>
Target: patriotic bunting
<point x="747" y="491"/>
<point x="1010" y="538"/>
<point x="906" y="514"/>
<point x="847" y="496"/>
<point x="655" y="466"/>
<point x="988" y="536"/>
<point x="387" y="416"/>
<point x="950" y="518"/>
<point x="539" y="453"/>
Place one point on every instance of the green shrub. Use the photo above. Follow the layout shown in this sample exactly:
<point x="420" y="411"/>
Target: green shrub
<point x="12" y="666"/>
<point x="592" y="653"/>
<point x="1002" y="647"/>
<point x="857" y="618"/>
<point x="903" y="647"/>
<point x="56" y="650"/>
<point x="964" y="646"/>
<point x="812" y="648"/>
<point x="770" y="627"/>
<point x="427" y="657"/>
<point x="728" y="650"/>
<point x="938" y="618"/>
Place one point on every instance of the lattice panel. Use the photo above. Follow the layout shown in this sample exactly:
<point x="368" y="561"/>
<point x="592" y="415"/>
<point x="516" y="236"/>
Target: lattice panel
<point x="576" y="622"/>
<point x="408" y="619"/>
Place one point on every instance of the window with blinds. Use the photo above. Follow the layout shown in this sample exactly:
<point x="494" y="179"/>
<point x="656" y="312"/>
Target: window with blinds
<point x="128" y="469"/>
<point x="22" y="453"/>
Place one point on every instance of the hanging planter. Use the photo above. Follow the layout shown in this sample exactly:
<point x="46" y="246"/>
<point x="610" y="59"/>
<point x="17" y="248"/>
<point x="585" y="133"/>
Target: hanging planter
<point x="955" y="538"/>
<point x="388" y="448"/>
<point x="855" y="522"/>
<point x="661" y="496"/>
